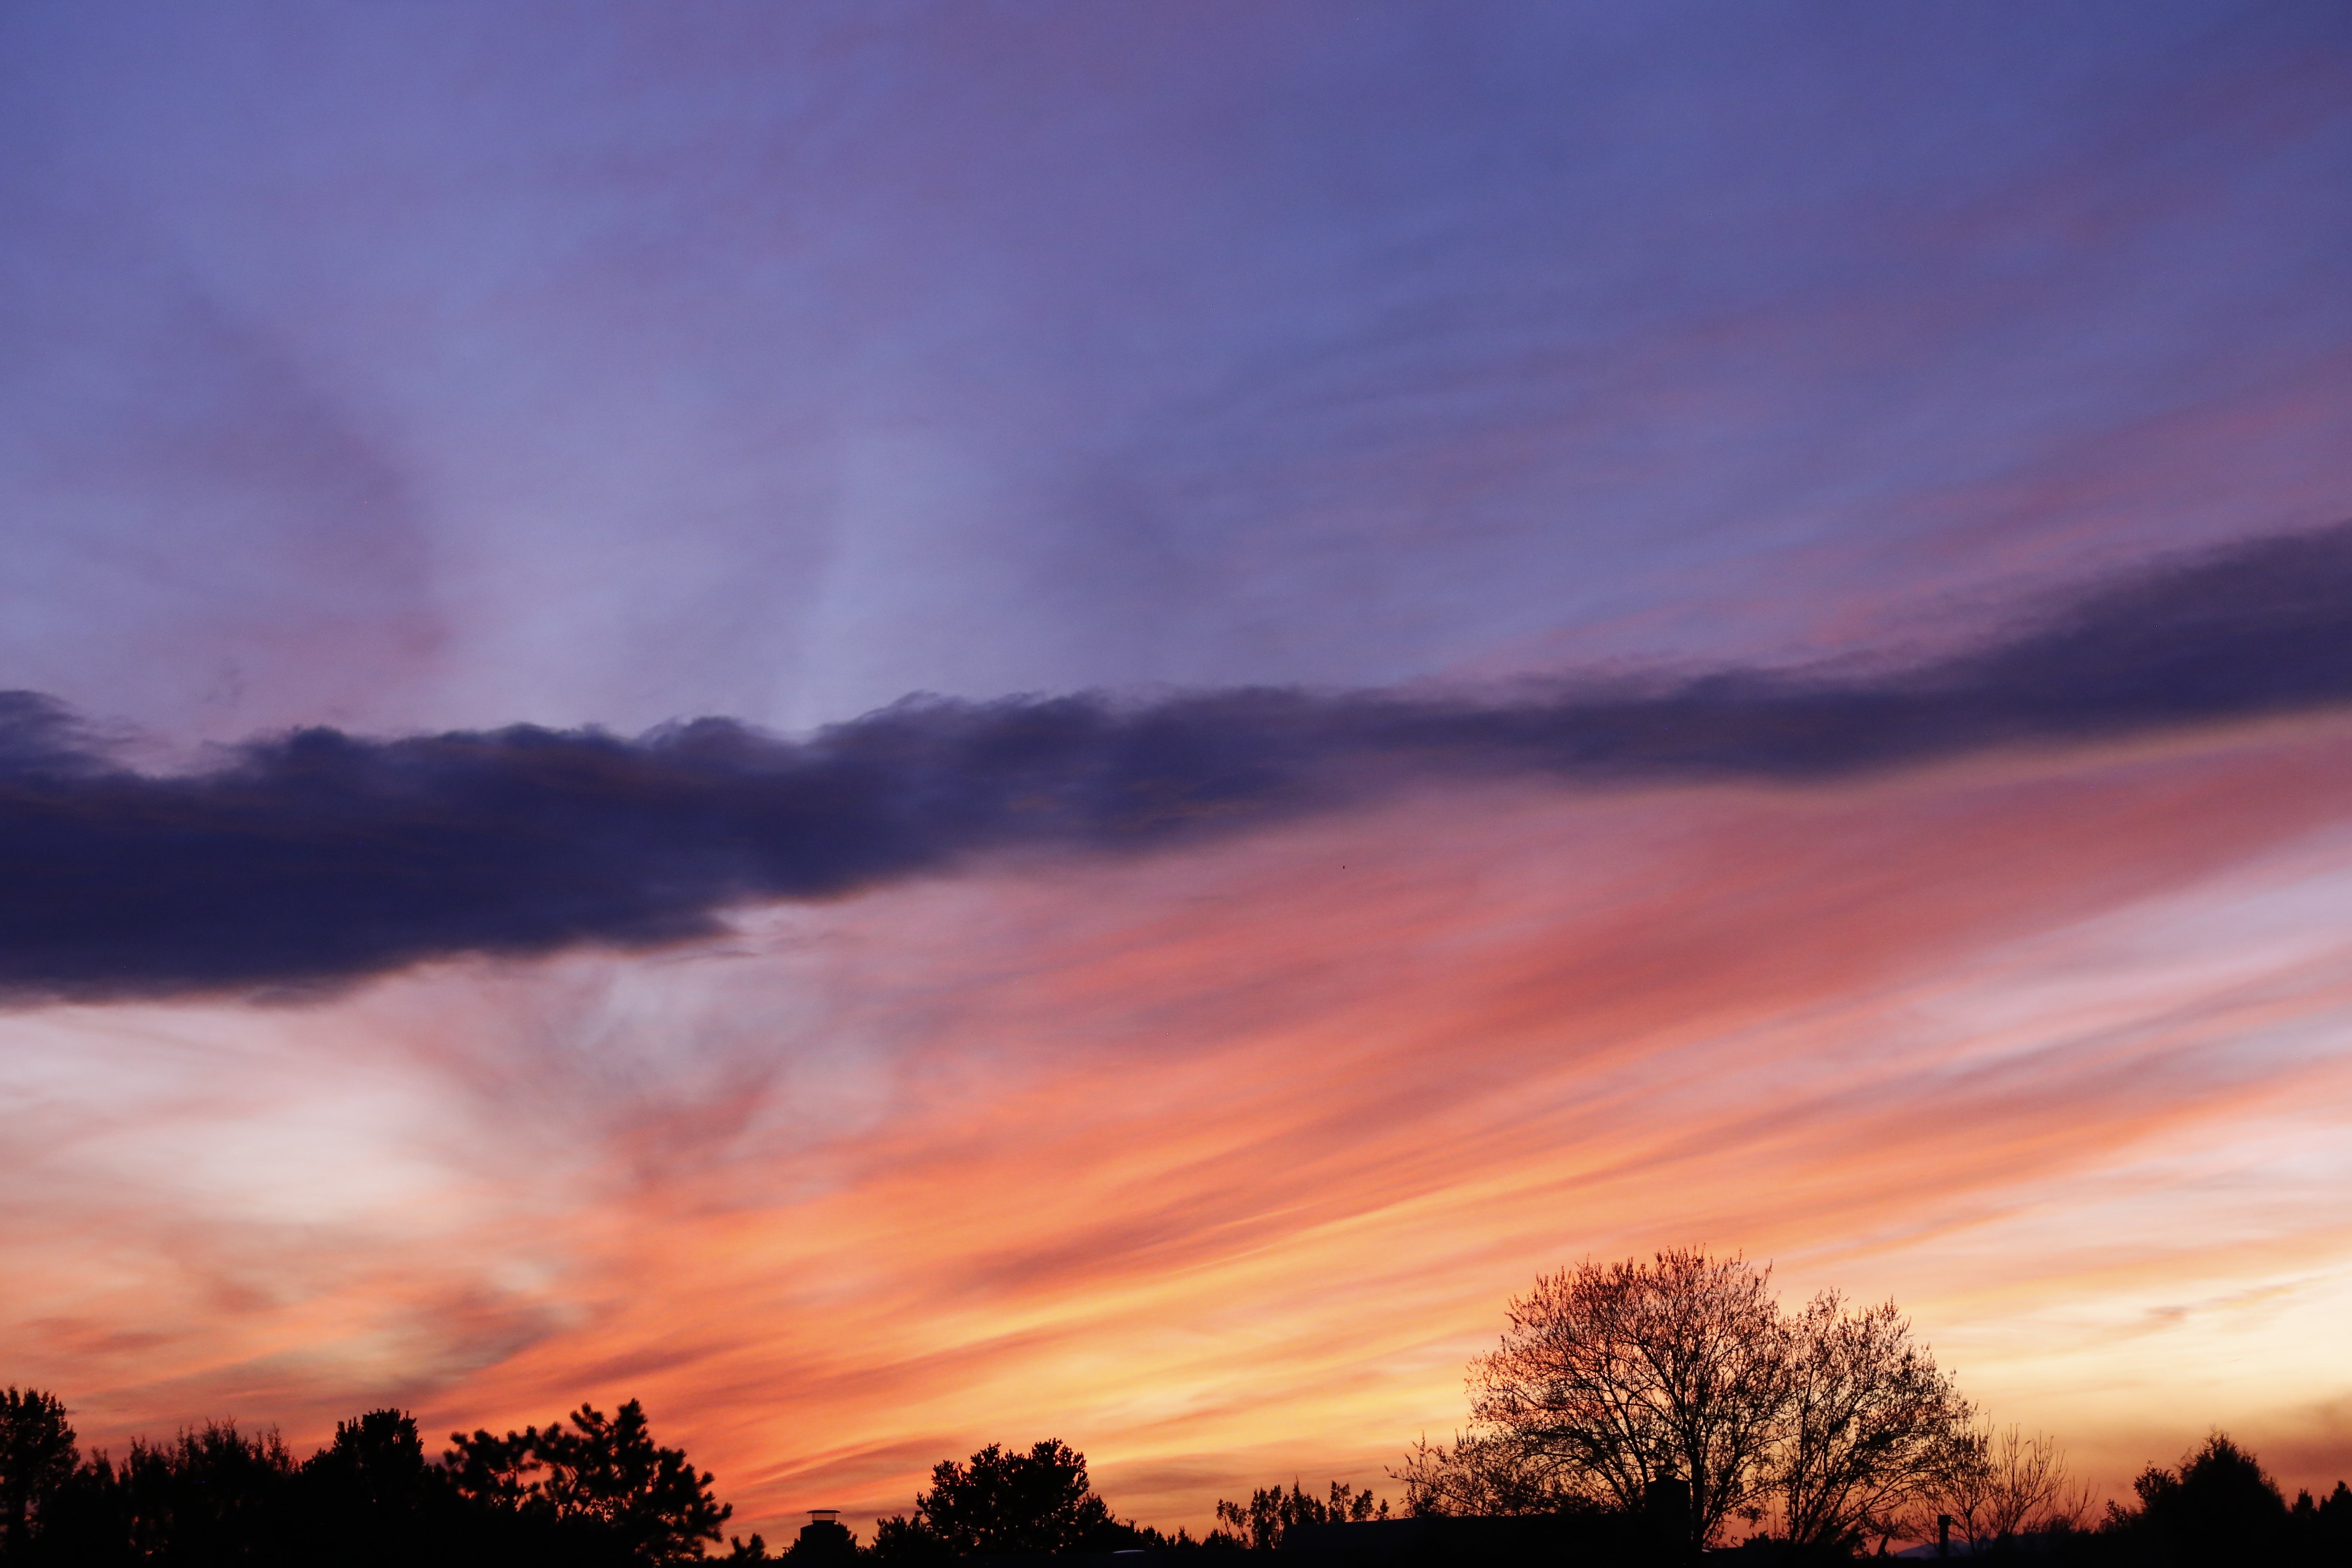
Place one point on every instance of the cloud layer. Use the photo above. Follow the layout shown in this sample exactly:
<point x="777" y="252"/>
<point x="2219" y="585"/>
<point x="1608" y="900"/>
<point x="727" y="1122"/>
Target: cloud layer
<point x="1220" y="1164"/>
<point x="317" y="856"/>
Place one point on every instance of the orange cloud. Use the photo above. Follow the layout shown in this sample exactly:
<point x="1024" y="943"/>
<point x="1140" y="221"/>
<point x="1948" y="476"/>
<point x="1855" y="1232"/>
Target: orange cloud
<point x="1219" y="1165"/>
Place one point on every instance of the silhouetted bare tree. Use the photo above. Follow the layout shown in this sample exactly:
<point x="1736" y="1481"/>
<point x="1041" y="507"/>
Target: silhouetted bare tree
<point x="1868" y="1424"/>
<point x="1997" y="1484"/>
<point x="1624" y="1381"/>
<point x="1485" y="1474"/>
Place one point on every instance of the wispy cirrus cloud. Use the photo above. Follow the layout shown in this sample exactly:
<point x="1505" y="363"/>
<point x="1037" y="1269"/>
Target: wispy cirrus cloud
<point x="318" y="857"/>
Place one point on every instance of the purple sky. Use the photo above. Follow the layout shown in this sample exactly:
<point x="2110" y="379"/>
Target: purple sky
<point x="414" y="368"/>
<point x="422" y="366"/>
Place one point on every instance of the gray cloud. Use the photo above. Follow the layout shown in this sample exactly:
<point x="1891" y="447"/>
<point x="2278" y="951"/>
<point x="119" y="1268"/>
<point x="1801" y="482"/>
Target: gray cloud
<point x="318" y="857"/>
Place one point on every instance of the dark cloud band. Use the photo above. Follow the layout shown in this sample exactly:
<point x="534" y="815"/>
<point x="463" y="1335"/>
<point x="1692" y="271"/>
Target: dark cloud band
<point x="318" y="857"/>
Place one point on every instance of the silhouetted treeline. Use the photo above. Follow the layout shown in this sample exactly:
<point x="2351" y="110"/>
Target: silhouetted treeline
<point x="2216" y="1510"/>
<point x="1629" y="1400"/>
<point x="2218" y="1507"/>
<point x="1273" y="1516"/>
<point x="594" y="1492"/>
<point x="587" y="1491"/>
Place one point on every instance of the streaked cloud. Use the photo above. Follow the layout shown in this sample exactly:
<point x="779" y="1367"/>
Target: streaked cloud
<point x="319" y="856"/>
<point x="1220" y="1164"/>
<point x="1559" y="628"/>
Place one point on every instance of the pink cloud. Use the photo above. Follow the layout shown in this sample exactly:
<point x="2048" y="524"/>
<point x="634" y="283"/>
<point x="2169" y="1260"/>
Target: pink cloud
<point x="1220" y="1166"/>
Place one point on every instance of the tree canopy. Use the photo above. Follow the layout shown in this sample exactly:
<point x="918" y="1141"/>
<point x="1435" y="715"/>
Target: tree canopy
<point x="1005" y="1500"/>
<point x="37" y="1456"/>
<point x="601" y="1479"/>
<point x="1617" y="1416"/>
<point x="1679" y="1390"/>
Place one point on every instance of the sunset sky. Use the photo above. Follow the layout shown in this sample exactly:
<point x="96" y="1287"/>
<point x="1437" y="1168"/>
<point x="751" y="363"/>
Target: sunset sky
<point x="1534" y="632"/>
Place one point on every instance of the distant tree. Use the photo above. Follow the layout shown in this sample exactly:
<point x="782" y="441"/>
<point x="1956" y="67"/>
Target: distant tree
<point x="2322" y="1529"/>
<point x="603" y="1480"/>
<point x="1869" y="1424"/>
<point x="756" y="1550"/>
<point x="904" y="1539"/>
<point x="1261" y="1523"/>
<point x="1625" y="1381"/>
<point x="371" y="1498"/>
<point x="1997" y="1484"/>
<point x="377" y="1458"/>
<point x="2219" y="1507"/>
<point x="1007" y="1501"/>
<point x="37" y="1459"/>
<point x="1145" y="1537"/>
<point x="210" y="1495"/>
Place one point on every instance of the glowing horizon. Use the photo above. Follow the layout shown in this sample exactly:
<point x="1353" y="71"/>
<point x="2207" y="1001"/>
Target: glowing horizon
<point x="1378" y="1100"/>
<point x="1533" y="634"/>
